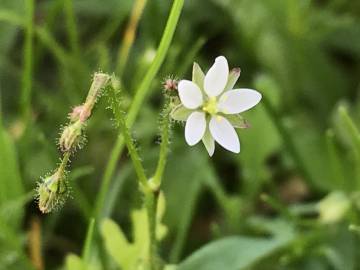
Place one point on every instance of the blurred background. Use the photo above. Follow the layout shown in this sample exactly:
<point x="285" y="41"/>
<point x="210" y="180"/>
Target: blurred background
<point x="285" y="202"/>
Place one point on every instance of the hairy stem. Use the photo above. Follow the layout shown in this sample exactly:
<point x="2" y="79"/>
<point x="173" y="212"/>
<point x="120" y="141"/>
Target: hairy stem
<point x="120" y="120"/>
<point x="150" y="204"/>
<point x="150" y="195"/>
<point x="138" y="100"/>
<point x="164" y="146"/>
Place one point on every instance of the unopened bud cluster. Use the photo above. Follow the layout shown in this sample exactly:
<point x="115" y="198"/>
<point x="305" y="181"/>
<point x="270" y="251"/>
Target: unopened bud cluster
<point x="52" y="190"/>
<point x="72" y="137"/>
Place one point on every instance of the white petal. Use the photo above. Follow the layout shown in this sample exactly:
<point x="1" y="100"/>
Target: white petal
<point x="190" y="94"/>
<point x="238" y="100"/>
<point x="209" y="142"/>
<point x="216" y="78"/>
<point x="224" y="133"/>
<point x="195" y="128"/>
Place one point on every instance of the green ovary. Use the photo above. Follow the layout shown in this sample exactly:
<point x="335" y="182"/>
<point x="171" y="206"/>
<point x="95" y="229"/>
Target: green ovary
<point x="210" y="106"/>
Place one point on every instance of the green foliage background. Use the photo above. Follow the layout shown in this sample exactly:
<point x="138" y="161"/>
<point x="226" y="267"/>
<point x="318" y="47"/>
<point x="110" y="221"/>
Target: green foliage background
<point x="255" y="210"/>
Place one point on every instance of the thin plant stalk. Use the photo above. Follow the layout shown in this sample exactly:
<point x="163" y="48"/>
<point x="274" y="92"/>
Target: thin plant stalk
<point x="336" y="168"/>
<point x="150" y="202"/>
<point x="354" y="135"/>
<point x="351" y="128"/>
<point x="164" y="146"/>
<point x="129" y="36"/>
<point x="135" y="158"/>
<point x="88" y="241"/>
<point x="139" y="98"/>
<point x="150" y="195"/>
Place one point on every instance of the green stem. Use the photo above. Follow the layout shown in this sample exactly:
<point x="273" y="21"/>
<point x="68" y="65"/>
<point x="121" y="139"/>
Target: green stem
<point x="337" y="171"/>
<point x="64" y="161"/>
<point x="150" y="204"/>
<point x="351" y="128"/>
<point x="28" y="60"/>
<point x="166" y="39"/>
<point x="120" y="120"/>
<point x="150" y="196"/>
<point x="71" y="26"/>
<point x="164" y="146"/>
<point x="88" y="241"/>
<point x="129" y="36"/>
<point x="354" y="135"/>
<point x="139" y="99"/>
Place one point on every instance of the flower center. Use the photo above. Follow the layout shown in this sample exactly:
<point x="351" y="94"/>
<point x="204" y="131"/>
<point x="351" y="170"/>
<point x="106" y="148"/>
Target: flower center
<point x="211" y="106"/>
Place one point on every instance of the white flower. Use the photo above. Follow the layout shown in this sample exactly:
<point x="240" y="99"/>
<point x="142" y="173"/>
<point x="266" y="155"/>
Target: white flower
<point x="211" y="107"/>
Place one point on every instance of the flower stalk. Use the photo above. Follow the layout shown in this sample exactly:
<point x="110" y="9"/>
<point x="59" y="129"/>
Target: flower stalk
<point x="139" y="98"/>
<point x="166" y="125"/>
<point x="120" y="120"/>
<point x="52" y="190"/>
<point x="149" y="189"/>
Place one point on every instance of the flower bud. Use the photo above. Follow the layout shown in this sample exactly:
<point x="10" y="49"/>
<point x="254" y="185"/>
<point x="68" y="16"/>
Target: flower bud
<point x="333" y="207"/>
<point x="75" y="113"/>
<point x="71" y="136"/>
<point x="52" y="191"/>
<point x="170" y="85"/>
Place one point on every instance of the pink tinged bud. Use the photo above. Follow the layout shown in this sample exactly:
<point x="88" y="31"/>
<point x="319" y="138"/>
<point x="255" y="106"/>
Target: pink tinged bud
<point x="170" y="84"/>
<point x="81" y="112"/>
<point x="85" y="113"/>
<point x="51" y="192"/>
<point x="75" y="114"/>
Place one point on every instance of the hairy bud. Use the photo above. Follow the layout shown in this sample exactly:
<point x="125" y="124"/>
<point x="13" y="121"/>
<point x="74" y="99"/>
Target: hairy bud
<point x="51" y="192"/>
<point x="170" y="84"/>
